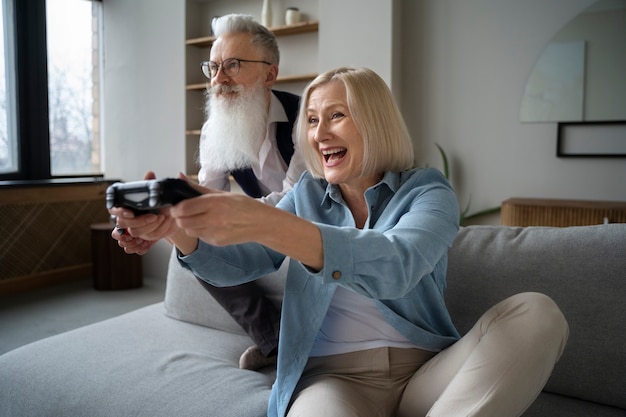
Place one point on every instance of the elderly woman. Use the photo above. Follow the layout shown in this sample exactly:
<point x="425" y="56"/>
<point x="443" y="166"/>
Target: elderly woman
<point x="365" y="330"/>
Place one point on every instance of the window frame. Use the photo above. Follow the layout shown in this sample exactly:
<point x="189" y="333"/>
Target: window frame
<point x="28" y="37"/>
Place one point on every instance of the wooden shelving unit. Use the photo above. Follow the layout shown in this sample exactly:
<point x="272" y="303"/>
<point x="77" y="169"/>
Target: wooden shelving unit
<point x="287" y="30"/>
<point x="302" y="27"/>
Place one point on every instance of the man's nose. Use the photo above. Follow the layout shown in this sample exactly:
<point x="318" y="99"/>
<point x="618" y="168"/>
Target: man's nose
<point x="220" y="77"/>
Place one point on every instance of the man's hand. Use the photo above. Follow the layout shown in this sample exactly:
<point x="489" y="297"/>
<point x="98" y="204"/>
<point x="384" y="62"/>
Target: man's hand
<point x="138" y="233"/>
<point x="131" y="244"/>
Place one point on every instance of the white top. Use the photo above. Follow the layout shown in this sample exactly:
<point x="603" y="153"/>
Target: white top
<point x="354" y="323"/>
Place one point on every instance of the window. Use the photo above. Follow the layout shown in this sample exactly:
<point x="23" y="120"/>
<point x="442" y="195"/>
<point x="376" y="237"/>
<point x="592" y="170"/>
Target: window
<point x="49" y="102"/>
<point x="72" y="40"/>
<point x="8" y="140"/>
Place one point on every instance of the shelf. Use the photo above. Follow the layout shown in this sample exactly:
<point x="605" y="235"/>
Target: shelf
<point x="196" y="87"/>
<point x="303" y="27"/>
<point x="284" y="79"/>
<point x="296" y="78"/>
<point x="298" y="28"/>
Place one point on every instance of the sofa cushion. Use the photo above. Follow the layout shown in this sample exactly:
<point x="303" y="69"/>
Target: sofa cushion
<point x="139" y="364"/>
<point x="582" y="268"/>
<point x="552" y="405"/>
<point x="187" y="300"/>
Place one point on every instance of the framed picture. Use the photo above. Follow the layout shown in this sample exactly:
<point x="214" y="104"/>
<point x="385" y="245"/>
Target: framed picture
<point x="591" y="139"/>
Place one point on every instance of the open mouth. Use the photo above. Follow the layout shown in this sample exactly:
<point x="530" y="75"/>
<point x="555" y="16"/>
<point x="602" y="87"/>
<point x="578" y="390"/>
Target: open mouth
<point x="333" y="156"/>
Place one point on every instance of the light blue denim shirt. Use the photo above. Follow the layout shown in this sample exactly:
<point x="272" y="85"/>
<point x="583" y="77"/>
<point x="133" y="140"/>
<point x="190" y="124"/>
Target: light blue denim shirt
<point x="399" y="259"/>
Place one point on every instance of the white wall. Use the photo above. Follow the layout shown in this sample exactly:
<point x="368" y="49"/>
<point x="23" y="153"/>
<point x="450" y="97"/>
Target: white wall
<point x="357" y="33"/>
<point x="466" y="65"/>
<point x="144" y="88"/>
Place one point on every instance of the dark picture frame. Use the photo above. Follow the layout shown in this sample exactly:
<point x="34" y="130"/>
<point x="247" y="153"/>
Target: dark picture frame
<point x="597" y="139"/>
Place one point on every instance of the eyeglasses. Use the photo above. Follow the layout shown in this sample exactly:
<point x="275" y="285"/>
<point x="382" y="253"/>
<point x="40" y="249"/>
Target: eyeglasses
<point x="230" y="67"/>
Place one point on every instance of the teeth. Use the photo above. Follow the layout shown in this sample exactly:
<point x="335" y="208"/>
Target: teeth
<point x="331" y="151"/>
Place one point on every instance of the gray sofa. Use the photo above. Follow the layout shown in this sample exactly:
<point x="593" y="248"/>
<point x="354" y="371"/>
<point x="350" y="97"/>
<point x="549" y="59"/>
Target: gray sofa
<point x="179" y="357"/>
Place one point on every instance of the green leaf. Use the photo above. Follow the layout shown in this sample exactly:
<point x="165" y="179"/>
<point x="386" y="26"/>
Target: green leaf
<point x="444" y="157"/>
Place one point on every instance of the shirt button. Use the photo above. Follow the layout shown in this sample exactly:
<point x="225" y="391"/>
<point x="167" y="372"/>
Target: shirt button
<point x="337" y="275"/>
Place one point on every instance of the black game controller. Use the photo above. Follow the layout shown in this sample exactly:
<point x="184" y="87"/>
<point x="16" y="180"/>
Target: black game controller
<point x="149" y="195"/>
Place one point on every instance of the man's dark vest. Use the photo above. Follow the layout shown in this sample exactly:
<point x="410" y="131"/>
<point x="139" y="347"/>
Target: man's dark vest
<point x="245" y="177"/>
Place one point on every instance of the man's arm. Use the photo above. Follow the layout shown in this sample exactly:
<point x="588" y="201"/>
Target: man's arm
<point x="217" y="180"/>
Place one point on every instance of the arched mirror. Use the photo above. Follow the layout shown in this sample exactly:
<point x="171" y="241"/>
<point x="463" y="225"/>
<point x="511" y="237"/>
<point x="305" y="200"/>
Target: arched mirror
<point x="581" y="75"/>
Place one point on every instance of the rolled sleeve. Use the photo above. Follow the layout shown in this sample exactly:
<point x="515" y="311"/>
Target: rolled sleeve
<point x="338" y="256"/>
<point x="231" y="265"/>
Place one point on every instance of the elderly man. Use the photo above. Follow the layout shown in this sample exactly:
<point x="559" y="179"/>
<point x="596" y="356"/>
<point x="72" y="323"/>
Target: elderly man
<point x="248" y="134"/>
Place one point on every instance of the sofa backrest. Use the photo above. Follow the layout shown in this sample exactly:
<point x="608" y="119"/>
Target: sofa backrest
<point x="582" y="268"/>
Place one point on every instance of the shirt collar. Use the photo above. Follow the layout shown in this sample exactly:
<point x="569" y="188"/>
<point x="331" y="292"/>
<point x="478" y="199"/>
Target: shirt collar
<point x="277" y="111"/>
<point x="391" y="179"/>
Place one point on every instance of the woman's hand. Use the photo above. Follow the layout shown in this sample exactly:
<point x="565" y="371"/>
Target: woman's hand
<point x="221" y="218"/>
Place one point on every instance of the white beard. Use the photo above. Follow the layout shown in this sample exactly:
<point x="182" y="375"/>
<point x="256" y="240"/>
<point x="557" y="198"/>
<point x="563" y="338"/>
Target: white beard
<point x="235" y="128"/>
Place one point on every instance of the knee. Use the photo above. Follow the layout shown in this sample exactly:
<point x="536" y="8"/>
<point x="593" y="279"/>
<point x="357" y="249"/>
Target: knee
<point x="544" y="316"/>
<point x="542" y="308"/>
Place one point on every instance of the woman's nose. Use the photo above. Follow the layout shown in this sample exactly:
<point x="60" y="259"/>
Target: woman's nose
<point x="321" y="132"/>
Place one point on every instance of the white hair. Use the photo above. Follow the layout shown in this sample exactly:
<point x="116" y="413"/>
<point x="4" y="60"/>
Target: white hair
<point x="242" y="23"/>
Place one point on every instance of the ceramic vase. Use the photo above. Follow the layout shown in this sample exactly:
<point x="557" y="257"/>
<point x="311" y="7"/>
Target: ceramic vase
<point x="266" y="13"/>
<point x="292" y="16"/>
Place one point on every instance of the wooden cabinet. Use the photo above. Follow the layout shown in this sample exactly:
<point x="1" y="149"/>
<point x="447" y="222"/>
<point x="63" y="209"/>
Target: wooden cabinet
<point x="298" y="62"/>
<point x="561" y="213"/>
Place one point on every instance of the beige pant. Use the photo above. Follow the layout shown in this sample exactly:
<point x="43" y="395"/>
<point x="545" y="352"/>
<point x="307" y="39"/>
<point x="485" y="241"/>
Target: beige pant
<point x="497" y="369"/>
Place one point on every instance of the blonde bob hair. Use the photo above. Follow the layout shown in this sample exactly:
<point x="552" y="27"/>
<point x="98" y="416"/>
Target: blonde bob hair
<point x="386" y="141"/>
